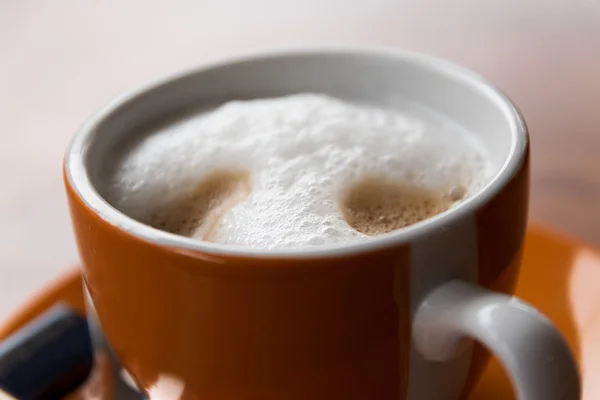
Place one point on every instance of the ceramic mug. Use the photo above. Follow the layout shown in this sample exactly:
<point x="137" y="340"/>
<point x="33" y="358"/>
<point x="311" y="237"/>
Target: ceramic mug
<point x="391" y="317"/>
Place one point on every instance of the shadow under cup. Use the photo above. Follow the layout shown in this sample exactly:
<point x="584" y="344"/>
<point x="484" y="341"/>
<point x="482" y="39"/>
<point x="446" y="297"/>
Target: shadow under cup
<point x="201" y="320"/>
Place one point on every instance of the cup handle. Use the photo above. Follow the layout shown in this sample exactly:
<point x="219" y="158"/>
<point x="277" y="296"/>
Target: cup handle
<point x="535" y="355"/>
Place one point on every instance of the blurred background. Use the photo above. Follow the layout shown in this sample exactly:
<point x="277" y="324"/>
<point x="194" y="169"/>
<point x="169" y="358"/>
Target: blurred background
<point x="60" y="60"/>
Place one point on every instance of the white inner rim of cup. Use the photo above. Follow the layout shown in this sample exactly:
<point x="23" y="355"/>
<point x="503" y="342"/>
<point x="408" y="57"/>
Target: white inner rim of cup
<point x="77" y="173"/>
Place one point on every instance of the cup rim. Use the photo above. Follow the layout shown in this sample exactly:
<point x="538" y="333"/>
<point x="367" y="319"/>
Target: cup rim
<point x="77" y="178"/>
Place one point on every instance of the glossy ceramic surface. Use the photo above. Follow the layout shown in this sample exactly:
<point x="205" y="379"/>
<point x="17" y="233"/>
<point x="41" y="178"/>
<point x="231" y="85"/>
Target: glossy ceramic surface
<point x="559" y="276"/>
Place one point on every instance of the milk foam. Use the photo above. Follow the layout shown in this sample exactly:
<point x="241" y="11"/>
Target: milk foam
<point x="301" y="152"/>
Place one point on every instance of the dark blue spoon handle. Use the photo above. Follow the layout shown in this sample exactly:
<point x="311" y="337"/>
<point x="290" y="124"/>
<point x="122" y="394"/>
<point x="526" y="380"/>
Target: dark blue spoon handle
<point x="48" y="358"/>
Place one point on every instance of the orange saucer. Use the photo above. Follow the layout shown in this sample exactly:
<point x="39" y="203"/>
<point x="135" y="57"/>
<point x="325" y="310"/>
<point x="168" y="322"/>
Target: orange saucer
<point x="560" y="276"/>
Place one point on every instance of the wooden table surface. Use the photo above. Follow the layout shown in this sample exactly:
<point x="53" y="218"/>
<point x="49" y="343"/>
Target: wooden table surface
<point x="60" y="60"/>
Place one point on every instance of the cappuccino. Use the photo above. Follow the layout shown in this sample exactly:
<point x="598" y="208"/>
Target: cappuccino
<point x="294" y="171"/>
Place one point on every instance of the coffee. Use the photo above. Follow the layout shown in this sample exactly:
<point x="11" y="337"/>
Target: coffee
<point x="198" y="213"/>
<point x="296" y="171"/>
<point x="375" y="206"/>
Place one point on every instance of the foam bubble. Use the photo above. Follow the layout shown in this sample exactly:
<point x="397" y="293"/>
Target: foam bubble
<point x="300" y="153"/>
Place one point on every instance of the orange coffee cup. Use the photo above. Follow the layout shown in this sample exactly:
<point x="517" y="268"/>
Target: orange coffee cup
<point x="392" y="317"/>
